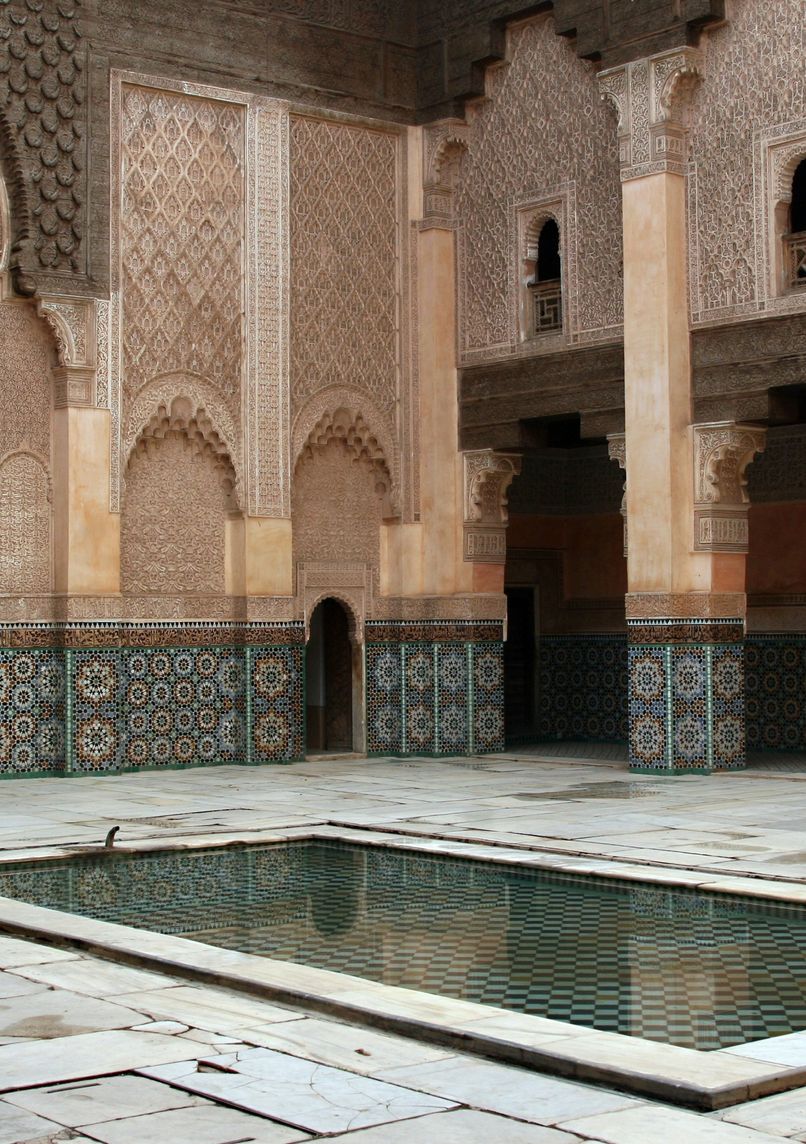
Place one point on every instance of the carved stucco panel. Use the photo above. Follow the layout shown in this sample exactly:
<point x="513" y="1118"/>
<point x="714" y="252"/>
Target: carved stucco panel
<point x="173" y="521"/>
<point x="334" y="497"/>
<point x="346" y="260"/>
<point x="542" y="126"/>
<point x="25" y="382"/>
<point x="25" y="524"/>
<point x="753" y="84"/>
<point x="228" y="223"/>
<point x="182" y="231"/>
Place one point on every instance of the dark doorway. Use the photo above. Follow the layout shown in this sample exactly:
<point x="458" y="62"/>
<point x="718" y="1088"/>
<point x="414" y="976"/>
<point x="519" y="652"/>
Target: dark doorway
<point x="329" y="680"/>
<point x="519" y="663"/>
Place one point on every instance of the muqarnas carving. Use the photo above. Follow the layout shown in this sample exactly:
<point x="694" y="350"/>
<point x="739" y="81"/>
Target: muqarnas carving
<point x="180" y="490"/>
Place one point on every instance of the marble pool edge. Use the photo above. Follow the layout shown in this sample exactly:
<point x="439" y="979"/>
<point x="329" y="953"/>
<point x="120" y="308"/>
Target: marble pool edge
<point x="706" y="1081"/>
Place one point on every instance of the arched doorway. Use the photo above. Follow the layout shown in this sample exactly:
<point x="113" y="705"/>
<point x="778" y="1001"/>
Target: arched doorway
<point x="332" y="681"/>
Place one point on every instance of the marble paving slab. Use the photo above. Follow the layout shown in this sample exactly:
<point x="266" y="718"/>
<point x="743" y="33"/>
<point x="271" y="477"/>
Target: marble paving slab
<point x="60" y="1013"/>
<point x="95" y="977"/>
<point x="203" y="1124"/>
<point x="17" y="1125"/>
<point x="314" y="1097"/>
<point x="463" y="1126"/>
<point x="344" y="1046"/>
<point x="35" y="1063"/>
<point x="649" y="1124"/>
<point x="96" y="1100"/>
<point x="511" y="1091"/>
<point x="212" y="1009"/>
<point x="781" y="1115"/>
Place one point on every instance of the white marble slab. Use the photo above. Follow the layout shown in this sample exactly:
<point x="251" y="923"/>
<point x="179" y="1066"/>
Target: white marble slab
<point x="213" y="1009"/>
<point x="463" y="1126"/>
<point x="13" y="952"/>
<point x="313" y="1097"/>
<point x="36" y="1063"/>
<point x="344" y="1046"/>
<point x="11" y="986"/>
<point x="17" y="1125"/>
<point x="60" y="1013"/>
<point x="95" y="1100"/>
<point x="780" y="1115"/>
<point x="789" y="1049"/>
<point x="202" y="1124"/>
<point x="651" y="1123"/>
<point x="511" y="1091"/>
<point x="95" y="977"/>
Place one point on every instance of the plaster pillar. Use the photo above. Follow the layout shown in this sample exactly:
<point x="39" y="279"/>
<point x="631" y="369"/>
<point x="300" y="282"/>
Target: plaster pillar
<point x="686" y="602"/>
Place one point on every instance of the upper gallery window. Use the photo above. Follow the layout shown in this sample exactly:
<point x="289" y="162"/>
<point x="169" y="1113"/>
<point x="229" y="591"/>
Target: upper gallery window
<point x="545" y="288"/>
<point x="795" y="240"/>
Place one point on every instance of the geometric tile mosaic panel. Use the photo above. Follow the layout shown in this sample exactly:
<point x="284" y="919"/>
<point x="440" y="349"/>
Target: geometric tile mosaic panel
<point x="32" y="711"/>
<point x="453" y="699"/>
<point x="582" y="687"/>
<point x="686" y="704"/>
<point x="384" y="675"/>
<point x="420" y="693"/>
<point x="437" y="696"/>
<point x="158" y="707"/>
<point x="488" y="697"/>
<point x="775" y="692"/>
<point x="278" y="703"/>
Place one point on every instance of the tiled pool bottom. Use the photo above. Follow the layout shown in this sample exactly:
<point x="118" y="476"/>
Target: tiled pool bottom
<point x="704" y="971"/>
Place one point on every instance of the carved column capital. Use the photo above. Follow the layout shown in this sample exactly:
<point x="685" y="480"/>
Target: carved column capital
<point x="444" y="144"/>
<point x="73" y="323"/>
<point x="617" y="451"/>
<point x="487" y="477"/>
<point x="722" y="450"/>
<point x="650" y="97"/>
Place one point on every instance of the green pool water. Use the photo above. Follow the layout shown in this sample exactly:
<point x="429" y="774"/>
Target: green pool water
<point x="702" y="970"/>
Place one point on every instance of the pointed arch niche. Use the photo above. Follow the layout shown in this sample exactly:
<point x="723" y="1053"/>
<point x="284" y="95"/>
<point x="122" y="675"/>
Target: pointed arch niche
<point x="180" y="506"/>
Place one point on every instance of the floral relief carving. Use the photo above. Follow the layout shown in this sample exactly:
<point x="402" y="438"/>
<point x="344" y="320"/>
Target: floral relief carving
<point x="542" y="127"/>
<point x="25" y="524"/>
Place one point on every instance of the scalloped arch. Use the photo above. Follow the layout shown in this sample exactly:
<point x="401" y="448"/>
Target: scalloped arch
<point x="213" y="427"/>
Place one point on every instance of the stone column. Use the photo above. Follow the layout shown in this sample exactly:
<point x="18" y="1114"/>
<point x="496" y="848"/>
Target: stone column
<point x="686" y="601"/>
<point x="86" y="533"/>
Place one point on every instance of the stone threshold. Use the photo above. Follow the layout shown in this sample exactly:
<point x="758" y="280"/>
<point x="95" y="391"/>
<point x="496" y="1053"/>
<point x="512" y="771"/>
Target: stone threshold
<point x="706" y="1081"/>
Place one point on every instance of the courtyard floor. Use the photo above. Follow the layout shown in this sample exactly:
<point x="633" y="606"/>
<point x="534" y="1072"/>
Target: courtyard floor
<point x="91" y="1049"/>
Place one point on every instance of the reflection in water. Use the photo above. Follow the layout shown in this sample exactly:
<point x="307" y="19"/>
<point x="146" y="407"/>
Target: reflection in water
<point x="692" y="969"/>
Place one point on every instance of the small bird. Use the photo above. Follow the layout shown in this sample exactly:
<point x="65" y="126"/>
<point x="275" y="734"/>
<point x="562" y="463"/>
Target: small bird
<point x="110" y="838"/>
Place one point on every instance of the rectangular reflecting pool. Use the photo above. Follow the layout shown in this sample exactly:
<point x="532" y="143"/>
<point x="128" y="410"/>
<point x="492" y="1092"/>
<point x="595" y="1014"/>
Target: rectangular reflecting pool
<point x="701" y="970"/>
